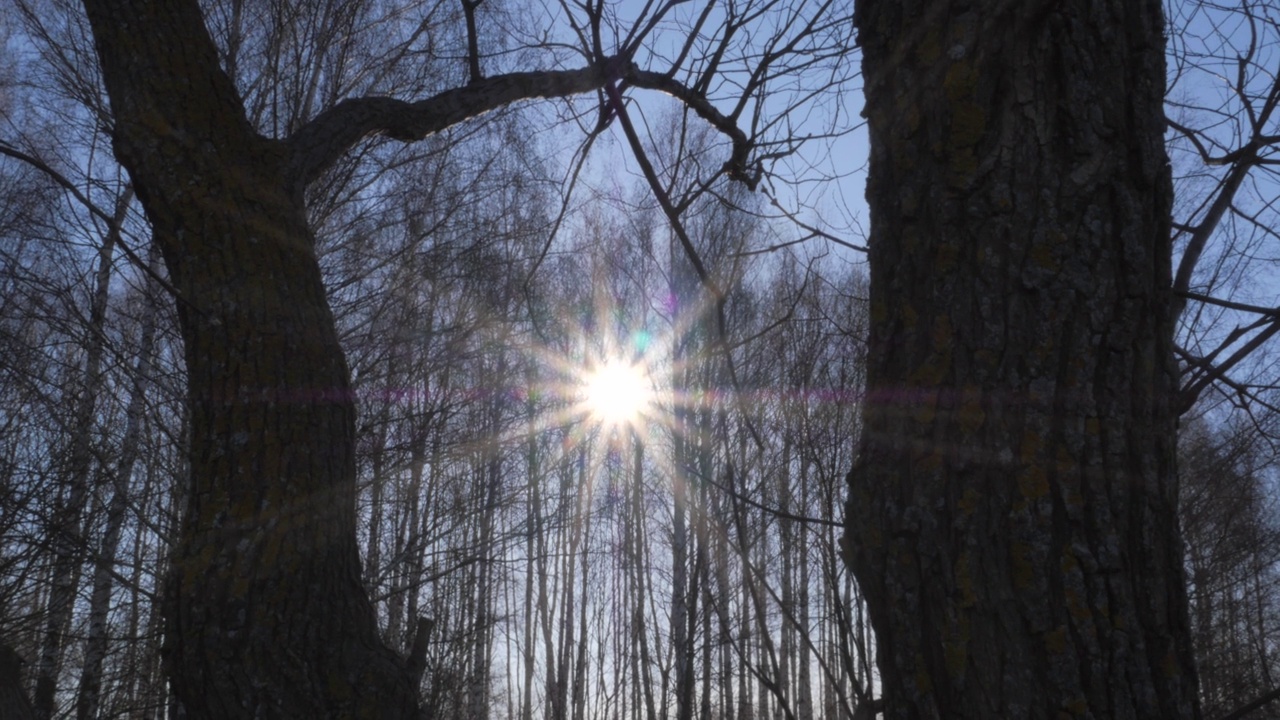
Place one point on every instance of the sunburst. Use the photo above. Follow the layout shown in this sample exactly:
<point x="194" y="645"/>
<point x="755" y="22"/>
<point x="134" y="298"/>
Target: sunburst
<point x="618" y="393"/>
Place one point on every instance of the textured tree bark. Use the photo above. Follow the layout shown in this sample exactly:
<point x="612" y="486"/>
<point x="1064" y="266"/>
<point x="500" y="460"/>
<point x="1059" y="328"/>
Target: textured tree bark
<point x="1011" y="516"/>
<point x="265" y="612"/>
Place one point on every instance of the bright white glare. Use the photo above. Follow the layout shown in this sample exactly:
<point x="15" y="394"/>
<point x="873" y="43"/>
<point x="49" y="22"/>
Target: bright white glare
<point x="617" y="393"/>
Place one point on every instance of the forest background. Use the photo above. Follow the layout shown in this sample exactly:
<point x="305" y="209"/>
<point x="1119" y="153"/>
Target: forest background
<point x="547" y="559"/>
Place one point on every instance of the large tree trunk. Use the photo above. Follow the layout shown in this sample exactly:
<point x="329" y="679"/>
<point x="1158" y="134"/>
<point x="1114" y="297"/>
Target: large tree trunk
<point x="1011" y="516"/>
<point x="265" y="612"/>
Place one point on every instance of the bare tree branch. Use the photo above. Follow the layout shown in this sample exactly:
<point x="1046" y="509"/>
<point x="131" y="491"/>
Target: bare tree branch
<point x="113" y="222"/>
<point x="473" y="40"/>
<point x="1244" y="710"/>
<point x="1192" y="390"/>
<point x="1230" y="304"/>
<point x="737" y="166"/>
<point x="1205" y="229"/>
<point x="320" y="142"/>
<point x="677" y="225"/>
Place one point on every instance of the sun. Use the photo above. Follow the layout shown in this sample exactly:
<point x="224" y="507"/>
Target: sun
<point x="618" y="393"/>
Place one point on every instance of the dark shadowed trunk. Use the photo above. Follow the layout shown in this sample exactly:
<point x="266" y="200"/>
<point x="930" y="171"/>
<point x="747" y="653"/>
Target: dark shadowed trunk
<point x="265" y="612"/>
<point x="1011" y="516"/>
<point x="14" y="704"/>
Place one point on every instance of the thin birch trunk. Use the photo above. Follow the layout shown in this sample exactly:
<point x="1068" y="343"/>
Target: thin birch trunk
<point x="89" y="693"/>
<point x="68" y="530"/>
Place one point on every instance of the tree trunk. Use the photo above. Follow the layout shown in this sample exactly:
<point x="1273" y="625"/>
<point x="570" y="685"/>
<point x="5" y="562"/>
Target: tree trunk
<point x="534" y="472"/>
<point x="68" y="530"/>
<point x="265" y="611"/>
<point x="804" y="702"/>
<point x="88" y="695"/>
<point x="638" y="562"/>
<point x="681" y="640"/>
<point x="1011" y="516"/>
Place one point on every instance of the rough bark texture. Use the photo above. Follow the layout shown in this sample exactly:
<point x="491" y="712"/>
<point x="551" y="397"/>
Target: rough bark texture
<point x="1011" y="516"/>
<point x="265" y="612"/>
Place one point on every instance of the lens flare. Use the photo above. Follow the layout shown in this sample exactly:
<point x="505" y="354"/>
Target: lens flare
<point x="618" y="393"/>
